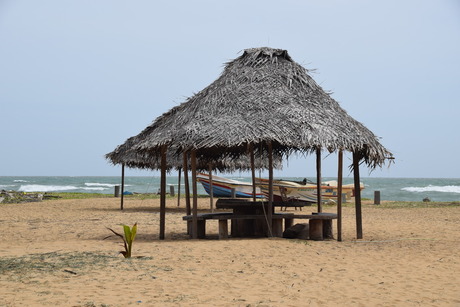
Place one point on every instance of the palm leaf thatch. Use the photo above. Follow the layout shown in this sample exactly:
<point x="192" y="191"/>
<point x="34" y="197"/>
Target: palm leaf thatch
<point x="262" y="96"/>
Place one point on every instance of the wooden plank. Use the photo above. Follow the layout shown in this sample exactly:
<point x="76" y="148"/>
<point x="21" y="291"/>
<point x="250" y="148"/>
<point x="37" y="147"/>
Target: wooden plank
<point x="314" y="217"/>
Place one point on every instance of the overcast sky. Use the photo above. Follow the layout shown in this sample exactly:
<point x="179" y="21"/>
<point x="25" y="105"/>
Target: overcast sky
<point x="77" y="78"/>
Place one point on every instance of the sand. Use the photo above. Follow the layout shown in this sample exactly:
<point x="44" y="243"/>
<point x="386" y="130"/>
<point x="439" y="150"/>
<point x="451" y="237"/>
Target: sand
<point x="53" y="253"/>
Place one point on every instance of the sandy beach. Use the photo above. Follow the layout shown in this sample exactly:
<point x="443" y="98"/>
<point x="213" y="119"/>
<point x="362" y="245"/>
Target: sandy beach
<point x="52" y="253"/>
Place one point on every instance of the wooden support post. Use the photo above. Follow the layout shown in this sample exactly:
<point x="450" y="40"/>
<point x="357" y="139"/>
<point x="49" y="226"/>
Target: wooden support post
<point x="327" y="229"/>
<point x="376" y="197"/>
<point x="195" y="196"/>
<point x="178" y="187"/>
<point x="316" y="230"/>
<point x="233" y="193"/>
<point x="270" y="188"/>
<point x="318" y="179"/>
<point x="211" y="200"/>
<point x="359" y="219"/>
<point x="253" y="172"/>
<point x="188" y="209"/>
<point x="277" y="229"/>
<point x="288" y="222"/>
<point x="223" y="229"/>
<point x="339" y="198"/>
<point x="122" y="184"/>
<point x="163" y="193"/>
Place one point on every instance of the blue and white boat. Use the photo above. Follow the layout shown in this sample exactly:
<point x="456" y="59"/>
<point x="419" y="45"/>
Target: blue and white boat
<point x="222" y="187"/>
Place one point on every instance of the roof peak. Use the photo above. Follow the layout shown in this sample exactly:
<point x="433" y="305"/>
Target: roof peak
<point x="265" y="52"/>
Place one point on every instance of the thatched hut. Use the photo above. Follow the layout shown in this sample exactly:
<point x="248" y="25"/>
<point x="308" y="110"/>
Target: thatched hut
<point x="266" y="102"/>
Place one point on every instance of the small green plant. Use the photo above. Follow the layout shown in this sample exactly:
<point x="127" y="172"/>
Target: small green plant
<point x="128" y="238"/>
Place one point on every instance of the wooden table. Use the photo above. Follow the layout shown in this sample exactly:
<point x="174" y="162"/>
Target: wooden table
<point x="258" y="226"/>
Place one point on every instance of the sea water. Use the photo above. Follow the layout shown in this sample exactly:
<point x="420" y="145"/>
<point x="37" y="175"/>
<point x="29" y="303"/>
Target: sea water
<point x="403" y="189"/>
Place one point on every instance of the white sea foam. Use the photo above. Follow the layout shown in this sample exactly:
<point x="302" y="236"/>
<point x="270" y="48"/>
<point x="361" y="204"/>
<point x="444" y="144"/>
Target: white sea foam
<point x="20" y="180"/>
<point x="95" y="184"/>
<point x="433" y="188"/>
<point x="45" y="188"/>
<point x="94" y="189"/>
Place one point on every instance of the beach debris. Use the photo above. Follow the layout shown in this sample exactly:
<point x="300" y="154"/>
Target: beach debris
<point x="298" y="231"/>
<point x="13" y="197"/>
<point x="70" y="272"/>
<point x="128" y="238"/>
<point x="426" y="199"/>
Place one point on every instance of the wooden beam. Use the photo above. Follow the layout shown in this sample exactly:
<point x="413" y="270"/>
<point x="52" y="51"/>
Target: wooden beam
<point x="195" y="198"/>
<point x="178" y="188"/>
<point x="339" y="196"/>
<point x="318" y="179"/>
<point x="270" y="188"/>
<point x="188" y="209"/>
<point x="211" y="199"/>
<point x="122" y="184"/>
<point x="253" y="172"/>
<point x="359" y="219"/>
<point x="163" y="193"/>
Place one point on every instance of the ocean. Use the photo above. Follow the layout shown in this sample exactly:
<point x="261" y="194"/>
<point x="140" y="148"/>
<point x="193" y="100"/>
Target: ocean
<point x="403" y="189"/>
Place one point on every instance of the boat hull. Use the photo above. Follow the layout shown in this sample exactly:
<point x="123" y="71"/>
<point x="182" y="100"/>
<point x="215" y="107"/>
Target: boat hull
<point x="284" y="190"/>
<point x="222" y="187"/>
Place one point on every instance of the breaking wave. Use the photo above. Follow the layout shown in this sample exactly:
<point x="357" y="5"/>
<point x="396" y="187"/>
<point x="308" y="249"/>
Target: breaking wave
<point x="46" y="188"/>
<point x="433" y="188"/>
<point x="95" y="184"/>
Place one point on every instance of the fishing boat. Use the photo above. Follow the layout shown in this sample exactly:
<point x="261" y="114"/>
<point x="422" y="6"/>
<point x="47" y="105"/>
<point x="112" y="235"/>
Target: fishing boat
<point x="222" y="187"/>
<point x="287" y="190"/>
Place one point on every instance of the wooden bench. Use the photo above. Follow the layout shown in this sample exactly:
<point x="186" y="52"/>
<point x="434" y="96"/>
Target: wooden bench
<point x="239" y="228"/>
<point x="320" y="224"/>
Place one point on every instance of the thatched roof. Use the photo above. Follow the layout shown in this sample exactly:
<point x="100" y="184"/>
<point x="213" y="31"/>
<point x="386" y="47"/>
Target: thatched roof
<point x="262" y="96"/>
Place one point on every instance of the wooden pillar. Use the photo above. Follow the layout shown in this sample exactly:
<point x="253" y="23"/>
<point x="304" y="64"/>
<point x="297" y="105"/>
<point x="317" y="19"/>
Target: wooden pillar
<point x="178" y="188"/>
<point x="211" y="199"/>
<point x="163" y="193"/>
<point x="359" y="219"/>
<point x="339" y="196"/>
<point x="253" y="172"/>
<point x="270" y="188"/>
<point x="195" y="198"/>
<point x="122" y="184"/>
<point x="188" y="209"/>
<point x="318" y="179"/>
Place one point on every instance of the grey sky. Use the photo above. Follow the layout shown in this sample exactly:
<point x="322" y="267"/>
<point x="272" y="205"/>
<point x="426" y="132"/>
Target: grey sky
<point x="79" y="77"/>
